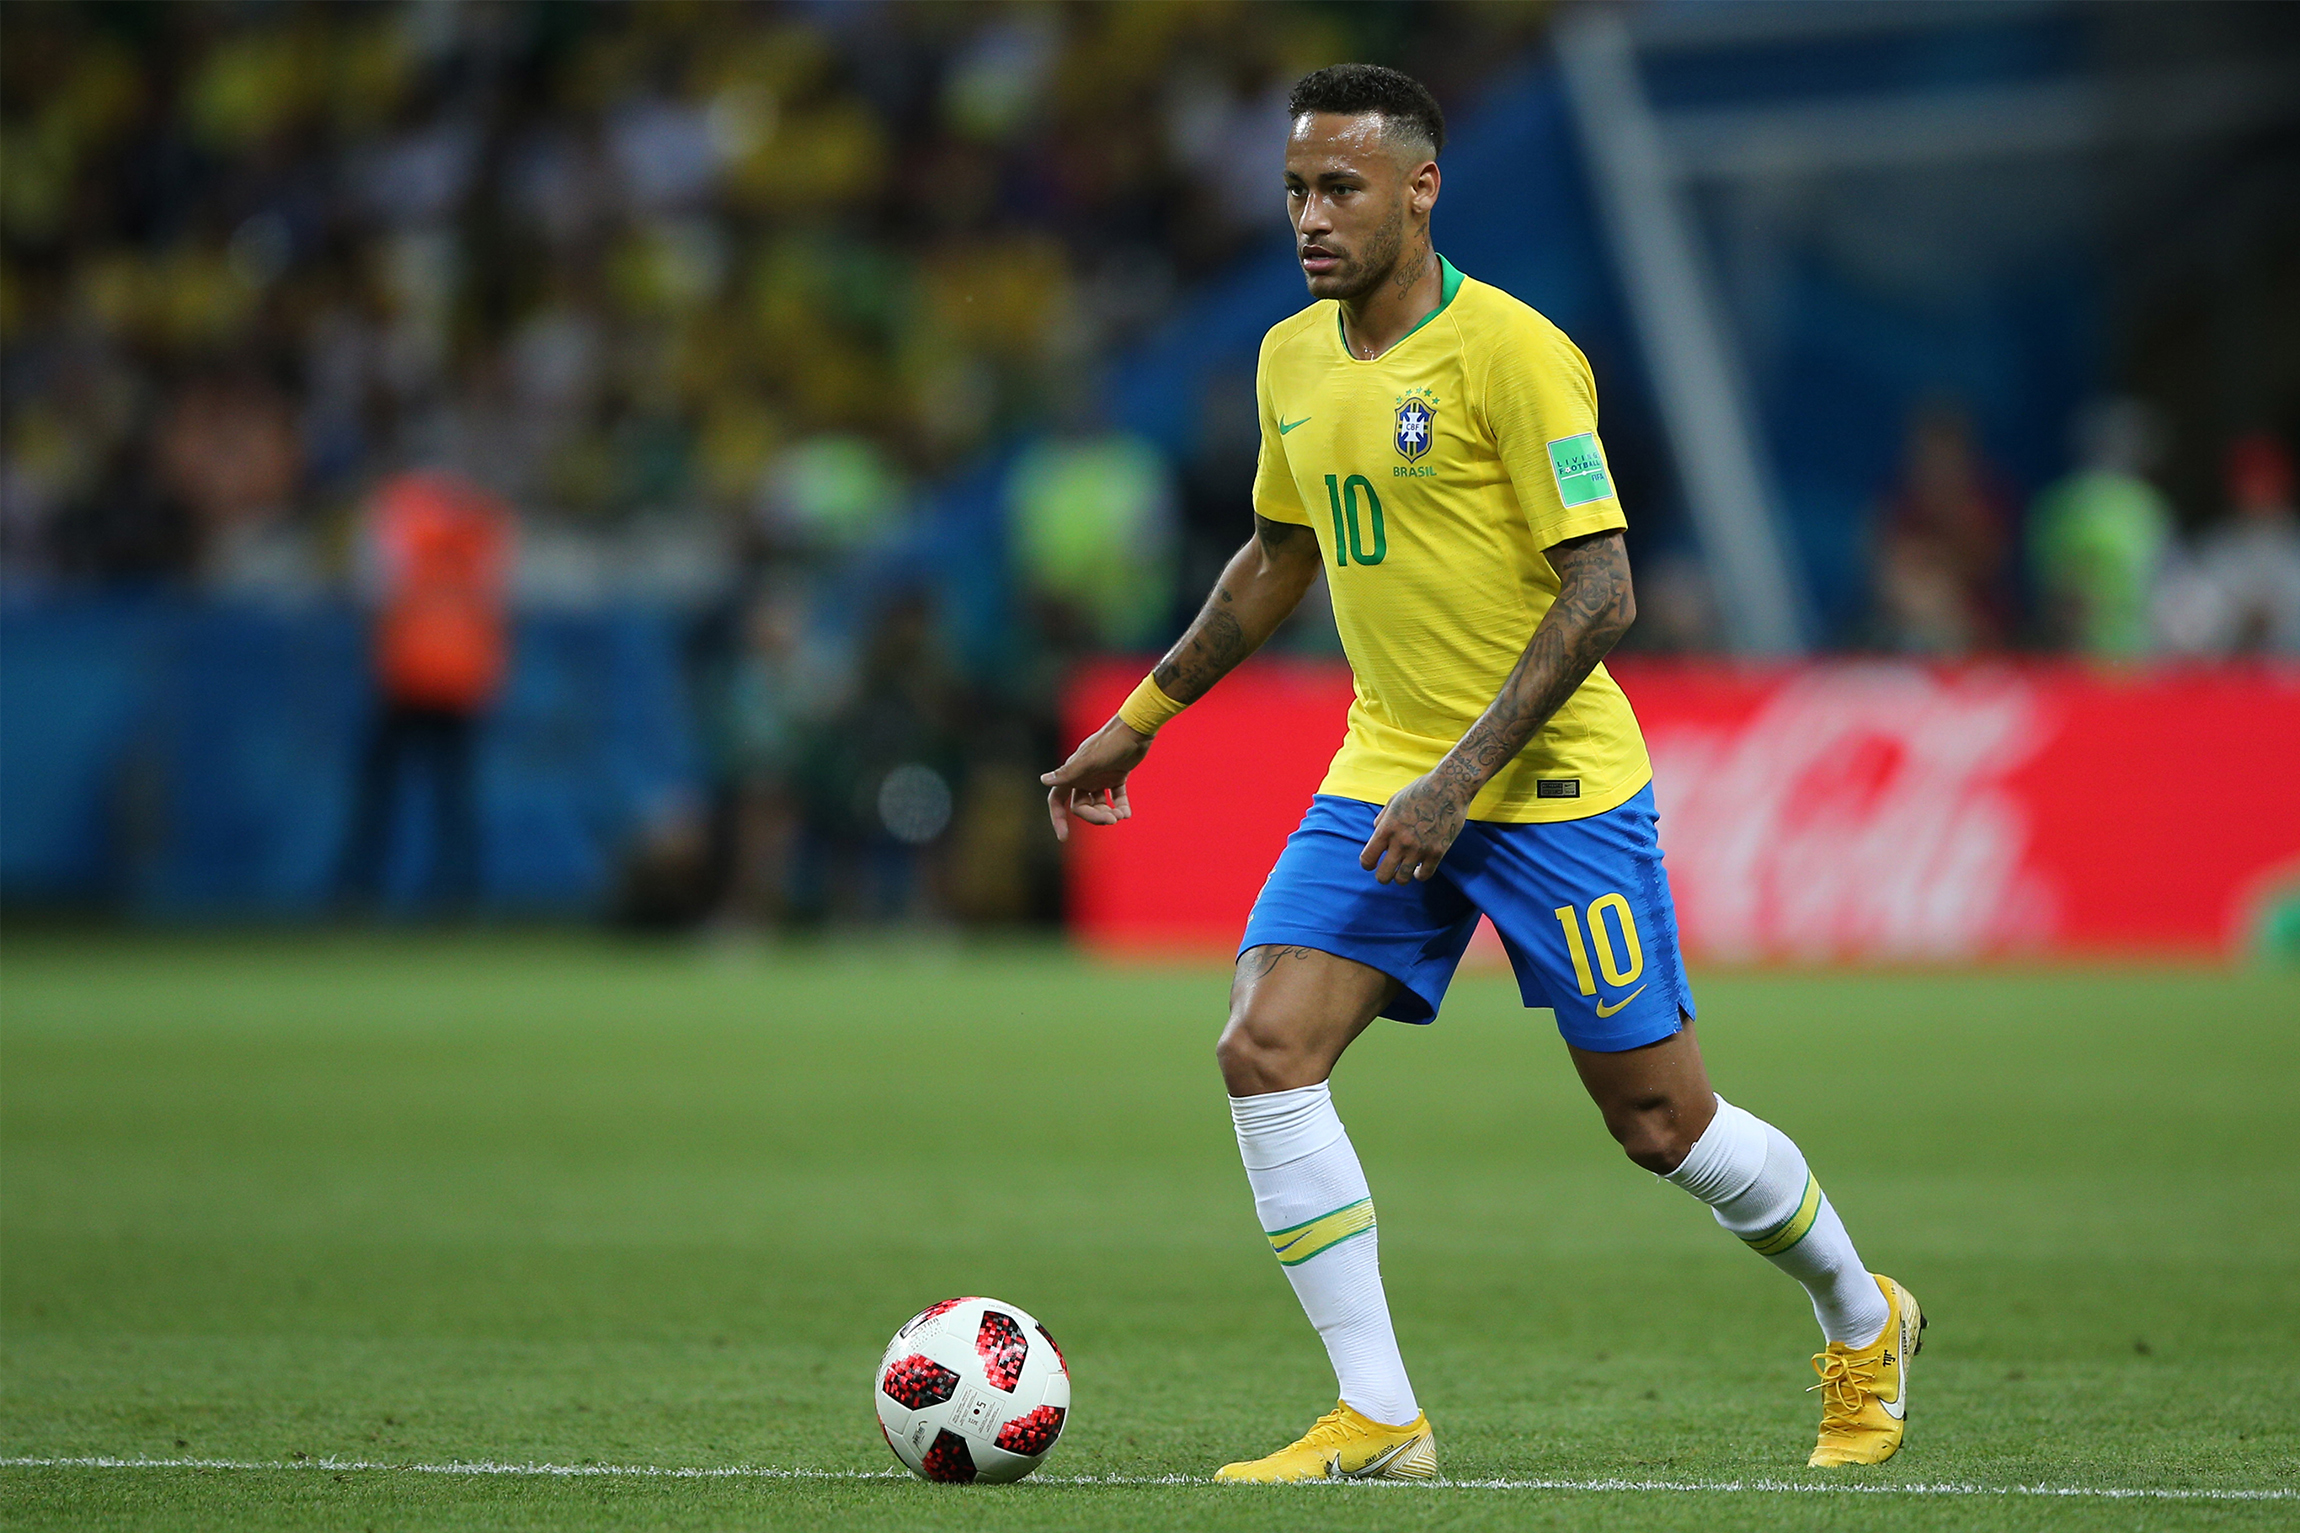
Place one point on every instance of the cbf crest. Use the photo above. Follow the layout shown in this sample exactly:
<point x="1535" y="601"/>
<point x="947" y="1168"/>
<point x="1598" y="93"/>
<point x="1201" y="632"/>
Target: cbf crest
<point x="1416" y="424"/>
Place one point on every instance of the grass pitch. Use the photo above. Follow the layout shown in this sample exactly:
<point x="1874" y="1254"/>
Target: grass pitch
<point x="528" y="1201"/>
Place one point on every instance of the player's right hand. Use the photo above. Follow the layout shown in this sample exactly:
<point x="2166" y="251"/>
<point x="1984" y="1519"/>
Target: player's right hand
<point x="1091" y="785"/>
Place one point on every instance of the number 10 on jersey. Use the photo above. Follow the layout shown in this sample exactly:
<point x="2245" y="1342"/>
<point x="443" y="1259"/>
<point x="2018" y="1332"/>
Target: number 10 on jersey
<point x="1349" y="543"/>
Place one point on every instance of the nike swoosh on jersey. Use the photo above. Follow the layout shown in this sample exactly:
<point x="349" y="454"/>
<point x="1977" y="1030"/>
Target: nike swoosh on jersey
<point x="1604" y="1010"/>
<point x="1286" y="426"/>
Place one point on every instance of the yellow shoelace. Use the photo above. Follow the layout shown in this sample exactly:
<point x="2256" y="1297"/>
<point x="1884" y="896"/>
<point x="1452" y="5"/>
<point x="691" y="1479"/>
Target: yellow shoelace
<point x="1327" y="1429"/>
<point x="1846" y="1385"/>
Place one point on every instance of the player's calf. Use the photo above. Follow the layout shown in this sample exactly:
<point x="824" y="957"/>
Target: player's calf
<point x="1311" y="1196"/>
<point x="1755" y="1180"/>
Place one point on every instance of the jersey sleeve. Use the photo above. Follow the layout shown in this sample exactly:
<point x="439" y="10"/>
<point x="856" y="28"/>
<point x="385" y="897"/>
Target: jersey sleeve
<point x="1540" y="403"/>
<point x="1275" y="495"/>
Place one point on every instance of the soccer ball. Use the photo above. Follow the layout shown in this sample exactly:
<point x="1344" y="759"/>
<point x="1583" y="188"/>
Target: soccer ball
<point x="972" y="1389"/>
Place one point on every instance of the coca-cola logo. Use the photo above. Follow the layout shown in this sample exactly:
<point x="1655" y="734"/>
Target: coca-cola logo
<point x="1860" y="812"/>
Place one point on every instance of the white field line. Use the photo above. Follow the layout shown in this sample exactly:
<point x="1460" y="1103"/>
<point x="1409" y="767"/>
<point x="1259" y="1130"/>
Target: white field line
<point x="479" y="1467"/>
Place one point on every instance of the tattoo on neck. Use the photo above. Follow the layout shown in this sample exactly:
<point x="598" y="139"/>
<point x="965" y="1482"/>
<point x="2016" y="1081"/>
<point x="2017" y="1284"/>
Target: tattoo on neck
<point x="1409" y="271"/>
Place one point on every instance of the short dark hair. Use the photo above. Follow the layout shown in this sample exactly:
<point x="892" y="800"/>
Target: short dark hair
<point x="1351" y="89"/>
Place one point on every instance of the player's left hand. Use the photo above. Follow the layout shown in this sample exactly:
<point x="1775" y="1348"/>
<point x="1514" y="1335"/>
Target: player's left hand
<point x="1091" y="786"/>
<point x="1416" y="828"/>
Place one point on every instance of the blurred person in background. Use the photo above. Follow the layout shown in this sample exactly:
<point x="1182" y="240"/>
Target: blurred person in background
<point x="435" y="566"/>
<point x="1093" y="518"/>
<point x="2097" y="537"/>
<point x="769" y="694"/>
<point x="653" y="273"/>
<point x="1943" y="574"/>
<point x="228" y="451"/>
<point x="2238" y="592"/>
<point x="876" y="779"/>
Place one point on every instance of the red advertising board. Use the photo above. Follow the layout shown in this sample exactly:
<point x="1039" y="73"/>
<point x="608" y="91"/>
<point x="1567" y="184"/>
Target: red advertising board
<point x="1835" y="811"/>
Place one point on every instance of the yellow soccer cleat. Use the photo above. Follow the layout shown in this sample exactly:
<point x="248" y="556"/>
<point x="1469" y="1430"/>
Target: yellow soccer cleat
<point x="1865" y="1390"/>
<point x="1344" y="1445"/>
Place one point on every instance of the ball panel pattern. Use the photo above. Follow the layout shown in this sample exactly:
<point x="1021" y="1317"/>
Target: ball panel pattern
<point x="947" y="1460"/>
<point x="1033" y="1432"/>
<point x="1002" y="1347"/>
<point x="918" y="1381"/>
<point x="1060" y="1361"/>
<point x="932" y="1312"/>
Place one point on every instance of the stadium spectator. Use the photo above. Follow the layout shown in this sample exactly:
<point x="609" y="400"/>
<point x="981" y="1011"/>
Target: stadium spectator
<point x="2239" y="592"/>
<point x="2097" y="537"/>
<point x="1943" y="568"/>
<point x="626" y="254"/>
<point x="670" y="280"/>
<point x="1094" y="528"/>
<point x="437" y="562"/>
<point x="767" y="697"/>
<point x="876" y="780"/>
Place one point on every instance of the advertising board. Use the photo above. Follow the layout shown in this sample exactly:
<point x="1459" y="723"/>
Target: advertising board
<point x="1841" y="811"/>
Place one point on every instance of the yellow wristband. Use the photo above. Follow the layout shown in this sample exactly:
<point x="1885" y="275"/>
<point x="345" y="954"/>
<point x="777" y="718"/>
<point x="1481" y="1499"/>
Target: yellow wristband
<point x="1148" y="707"/>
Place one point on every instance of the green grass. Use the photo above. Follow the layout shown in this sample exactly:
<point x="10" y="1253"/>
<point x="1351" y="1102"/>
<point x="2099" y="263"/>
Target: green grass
<point x="541" y="1200"/>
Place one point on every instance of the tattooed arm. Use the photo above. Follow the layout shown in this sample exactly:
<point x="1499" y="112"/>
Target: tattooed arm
<point x="1262" y="583"/>
<point x="1594" y="608"/>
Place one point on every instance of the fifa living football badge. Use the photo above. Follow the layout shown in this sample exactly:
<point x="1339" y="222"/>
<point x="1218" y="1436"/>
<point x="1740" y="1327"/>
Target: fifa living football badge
<point x="1416" y="424"/>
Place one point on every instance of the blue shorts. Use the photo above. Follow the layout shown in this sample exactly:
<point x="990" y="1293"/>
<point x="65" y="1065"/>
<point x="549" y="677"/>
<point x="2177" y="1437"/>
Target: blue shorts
<point x="1582" y="907"/>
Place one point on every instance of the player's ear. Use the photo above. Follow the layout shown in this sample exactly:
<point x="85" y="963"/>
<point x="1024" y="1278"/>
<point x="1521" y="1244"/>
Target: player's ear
<point x="1422" y="187"/>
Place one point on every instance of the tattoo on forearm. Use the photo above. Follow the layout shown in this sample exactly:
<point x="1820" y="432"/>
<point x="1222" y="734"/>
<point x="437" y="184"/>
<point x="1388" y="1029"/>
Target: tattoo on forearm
<point x="1594" y="607"/>
<point x="1208" y="652"/>
<point x="1218" y="638"/>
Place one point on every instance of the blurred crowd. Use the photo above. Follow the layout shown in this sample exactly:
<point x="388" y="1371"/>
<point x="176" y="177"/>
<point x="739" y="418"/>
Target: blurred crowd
<point x="2100" y="563"/>
<point x="705" y="300"/>
<point x="709" y="295"/>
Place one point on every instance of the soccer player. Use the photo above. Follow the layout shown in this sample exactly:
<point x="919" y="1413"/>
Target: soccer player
<point x="1431" y="443"/>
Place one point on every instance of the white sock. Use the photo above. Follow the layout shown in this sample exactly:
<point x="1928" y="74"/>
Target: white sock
<point x="1755" y="1179"/>
<point x="1310" y="1194"/>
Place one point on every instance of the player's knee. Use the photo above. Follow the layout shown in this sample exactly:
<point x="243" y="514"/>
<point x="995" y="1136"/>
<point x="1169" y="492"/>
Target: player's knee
<point x="1246" y="1063"/>
<point x="1257" y="1057"/>
<point x="1651" y="1132"/>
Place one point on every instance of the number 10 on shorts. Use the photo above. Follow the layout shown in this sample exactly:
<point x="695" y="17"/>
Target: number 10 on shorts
<point x="1601" y="937"/>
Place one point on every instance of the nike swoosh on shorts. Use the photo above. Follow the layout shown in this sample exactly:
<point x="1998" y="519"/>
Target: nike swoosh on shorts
<point x="1604" y="1010"/>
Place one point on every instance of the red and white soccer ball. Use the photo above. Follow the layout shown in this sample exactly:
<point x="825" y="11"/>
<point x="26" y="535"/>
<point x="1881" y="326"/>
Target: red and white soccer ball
<point x="972" y="1389"/>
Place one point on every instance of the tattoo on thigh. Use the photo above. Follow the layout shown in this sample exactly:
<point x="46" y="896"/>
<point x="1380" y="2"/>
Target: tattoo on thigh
<point x="1260" y="961"/>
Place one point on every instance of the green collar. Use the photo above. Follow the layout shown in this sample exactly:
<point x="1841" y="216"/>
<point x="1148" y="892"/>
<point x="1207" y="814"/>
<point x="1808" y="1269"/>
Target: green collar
<point x="1449" y="283"/>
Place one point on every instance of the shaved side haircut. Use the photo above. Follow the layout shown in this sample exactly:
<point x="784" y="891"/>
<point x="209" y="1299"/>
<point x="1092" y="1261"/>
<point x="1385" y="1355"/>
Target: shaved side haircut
<point x="1411" y="120"/>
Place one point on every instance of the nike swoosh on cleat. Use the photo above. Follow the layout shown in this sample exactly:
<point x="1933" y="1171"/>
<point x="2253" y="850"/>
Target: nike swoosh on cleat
<point x="1286" y="426"/>
<point x="1604" y="1010"/>
<point x="1371" y="1467"/>
<point x="1898" y="1406"/>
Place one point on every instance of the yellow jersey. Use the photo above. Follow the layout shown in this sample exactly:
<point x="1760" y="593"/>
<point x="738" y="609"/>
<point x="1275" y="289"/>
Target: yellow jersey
<point x="1434" y="476"/>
